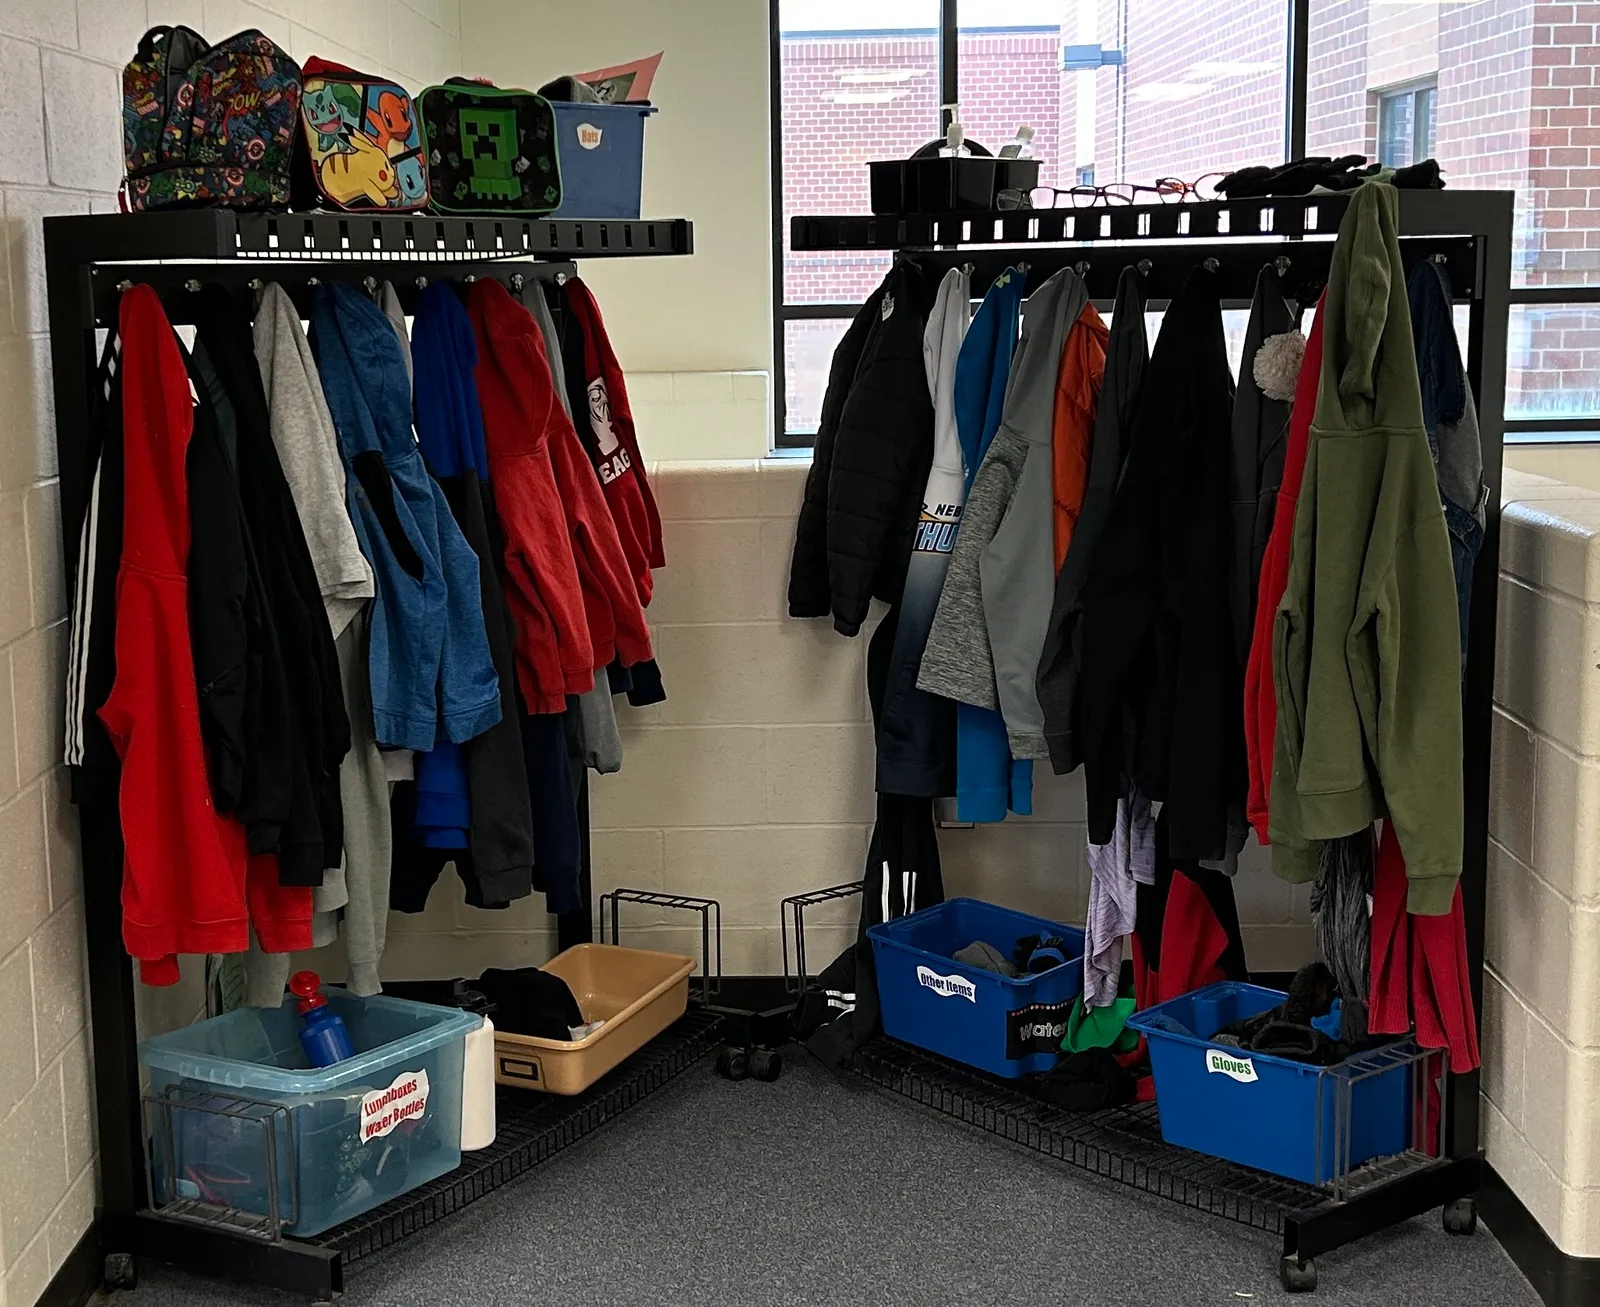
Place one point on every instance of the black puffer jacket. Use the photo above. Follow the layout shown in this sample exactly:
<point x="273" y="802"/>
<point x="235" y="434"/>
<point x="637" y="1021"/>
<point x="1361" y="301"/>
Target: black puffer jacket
<point x="874" y="448"/>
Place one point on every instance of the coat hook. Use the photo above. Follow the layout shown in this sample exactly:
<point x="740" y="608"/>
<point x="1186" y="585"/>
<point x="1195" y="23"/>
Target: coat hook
<point x="255" y="283"/>
<point x="1023" y="266"/>
<point x="1081" y="267"/>
<point x="1282" y="264"/>
<point x="124" y="285"/>
<point x="313" y="281"/>
<point x="561" y="279"/>
<point x="967" y="269"/>
<point x="470" y="278"/>
<point x="1210" y="265"/>
<point x="1439" y="258"/>
<point x="421" y="283"/>
<point x="371" y="284"/>
<point x="192" y="285"/>
<point x="517" y="282"/>
<point x="1144" y="267"/>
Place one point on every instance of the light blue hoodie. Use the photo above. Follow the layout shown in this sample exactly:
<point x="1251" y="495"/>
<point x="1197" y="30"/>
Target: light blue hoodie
<point x="988" y="779"/>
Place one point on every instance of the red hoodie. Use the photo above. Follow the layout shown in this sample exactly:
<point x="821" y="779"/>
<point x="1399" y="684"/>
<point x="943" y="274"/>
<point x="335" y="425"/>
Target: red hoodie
<point x="521" y="411"/>
<point x="554" y="655"/>
<point x="1420" y="979"/>
<point x="185" y="865"/>
<point x="1260" y="695"/>
<point x="611" y="419"/>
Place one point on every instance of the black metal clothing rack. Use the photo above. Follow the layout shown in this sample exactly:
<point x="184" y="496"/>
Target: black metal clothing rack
<point x="1470" y="231"/>
<point x="87" y="260"/>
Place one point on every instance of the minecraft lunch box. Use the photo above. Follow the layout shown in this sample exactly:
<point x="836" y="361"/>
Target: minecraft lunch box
<point x="489" y="150"/>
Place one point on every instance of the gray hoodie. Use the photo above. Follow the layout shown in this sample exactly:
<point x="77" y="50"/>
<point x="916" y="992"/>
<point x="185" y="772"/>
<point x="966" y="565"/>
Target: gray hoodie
<point x="989" y="632"/>
<point x="302" y="431"/>
<point x="368" y="846"/>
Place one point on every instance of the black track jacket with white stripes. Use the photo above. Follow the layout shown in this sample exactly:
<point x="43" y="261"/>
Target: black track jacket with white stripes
<point x="91" y="758"/>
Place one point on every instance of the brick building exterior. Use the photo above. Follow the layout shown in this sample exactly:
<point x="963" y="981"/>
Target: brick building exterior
<point x="849" y="99"/>
<point x="1202" y="89"/>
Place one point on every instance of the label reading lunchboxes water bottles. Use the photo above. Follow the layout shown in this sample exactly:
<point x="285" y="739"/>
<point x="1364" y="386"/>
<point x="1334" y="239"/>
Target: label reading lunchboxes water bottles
<point x="947" y="986"/>
<point x="384" y="1109"/>
<point x="1237" y="1068"/>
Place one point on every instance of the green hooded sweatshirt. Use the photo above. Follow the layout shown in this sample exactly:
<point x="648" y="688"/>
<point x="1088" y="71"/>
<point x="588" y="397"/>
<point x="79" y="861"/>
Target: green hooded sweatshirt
<point x="1366" y="646"/>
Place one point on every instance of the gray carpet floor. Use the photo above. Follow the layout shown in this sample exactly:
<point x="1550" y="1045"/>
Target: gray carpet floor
<point x="815" y="1190"/>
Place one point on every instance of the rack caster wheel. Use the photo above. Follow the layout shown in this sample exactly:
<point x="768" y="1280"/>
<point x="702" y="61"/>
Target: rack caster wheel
<point x="766" y="1064"/>
<point x="733" y="1063"/>
<point x="1298" y="1276"/>
<point x="120" y="1272"/>
<point x="1461" y="1216"/>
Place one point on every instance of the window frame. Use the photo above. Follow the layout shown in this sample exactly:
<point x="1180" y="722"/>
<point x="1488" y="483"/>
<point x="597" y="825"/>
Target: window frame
<point x="1297" y="16"/>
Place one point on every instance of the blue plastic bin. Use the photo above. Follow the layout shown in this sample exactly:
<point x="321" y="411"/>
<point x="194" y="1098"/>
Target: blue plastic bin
<point x="1007" y="1027"/>
<point x="1272" y="1113"/>
<point x="359" y="1132"/>
<point x="601" y="149"/>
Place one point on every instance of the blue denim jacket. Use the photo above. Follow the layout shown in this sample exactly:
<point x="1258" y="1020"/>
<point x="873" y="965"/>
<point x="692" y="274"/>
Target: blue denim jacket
<point x="1452" y="421"/>
<point x="432" y="676"/>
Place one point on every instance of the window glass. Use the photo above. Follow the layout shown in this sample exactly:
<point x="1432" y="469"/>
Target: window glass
<point x="1553" y="361"/>
<point x="1422" y="146"/>
<point x="860" y="81"/>
<point x="1131" y="91"/>
<point x="1396" y="128"/>
<point x="808" y="345"/>
<point x="1505" y="105"/>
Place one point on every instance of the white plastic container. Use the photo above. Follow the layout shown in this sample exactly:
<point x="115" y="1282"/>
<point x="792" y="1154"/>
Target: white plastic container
<point x="477" y="1089"/>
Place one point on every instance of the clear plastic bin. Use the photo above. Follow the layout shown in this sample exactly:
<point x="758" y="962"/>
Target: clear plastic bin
<point x="348" y="1137"/>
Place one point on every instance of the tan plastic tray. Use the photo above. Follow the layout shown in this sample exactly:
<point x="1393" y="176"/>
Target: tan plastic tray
<point x="636" y="992"/>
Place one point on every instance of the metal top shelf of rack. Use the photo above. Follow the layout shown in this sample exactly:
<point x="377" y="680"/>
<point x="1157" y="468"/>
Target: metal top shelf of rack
<point x="1422" y="213"/>
<point x="213" y="234"/>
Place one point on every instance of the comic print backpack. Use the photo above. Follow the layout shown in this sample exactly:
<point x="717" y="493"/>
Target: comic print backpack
<point x="490" y="150"/>
<point x="362" y="147"/>
<point x="208" y="124"/>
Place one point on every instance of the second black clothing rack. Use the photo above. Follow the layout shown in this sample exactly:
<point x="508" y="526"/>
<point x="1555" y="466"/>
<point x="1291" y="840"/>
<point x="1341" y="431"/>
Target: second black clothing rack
<point x="1471" y="232"/>
<point x="88" y="259"/>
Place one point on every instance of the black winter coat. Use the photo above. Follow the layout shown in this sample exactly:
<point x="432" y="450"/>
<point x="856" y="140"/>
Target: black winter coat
<point x="870" y="467"/>
<point x="1158" y="695"/>
<point x="297" y="634"/>
<point x="1061" y="662"/>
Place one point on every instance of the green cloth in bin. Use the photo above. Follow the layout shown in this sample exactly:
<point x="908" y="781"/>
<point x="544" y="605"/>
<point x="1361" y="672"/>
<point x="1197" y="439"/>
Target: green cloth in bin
<point x="1100" y="1027"/>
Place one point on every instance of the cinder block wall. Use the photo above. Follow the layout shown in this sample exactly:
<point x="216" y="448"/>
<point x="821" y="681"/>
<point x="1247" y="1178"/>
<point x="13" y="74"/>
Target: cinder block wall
<point x="754" y="779"/>
<point x="1541" y="1017"/>
<point x="61" y="152"/>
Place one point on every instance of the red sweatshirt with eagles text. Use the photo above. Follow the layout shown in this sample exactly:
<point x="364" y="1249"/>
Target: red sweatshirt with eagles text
<point x="545" y="486"/>
<point x="610" y="418"/>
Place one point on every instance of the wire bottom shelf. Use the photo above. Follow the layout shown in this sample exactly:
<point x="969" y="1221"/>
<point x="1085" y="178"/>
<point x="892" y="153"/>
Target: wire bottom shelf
<point x="1121" y="1144"/>
<point x="531" y="1128"/>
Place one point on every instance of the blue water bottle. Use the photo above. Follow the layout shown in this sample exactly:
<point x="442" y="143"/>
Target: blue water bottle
<point x="322" y="1032"/>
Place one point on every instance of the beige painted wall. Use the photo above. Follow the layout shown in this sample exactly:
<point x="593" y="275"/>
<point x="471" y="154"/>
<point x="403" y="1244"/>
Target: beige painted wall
<point x="60" y="152"/>
<point x="1575" y="464"/>
<point x="706" y="158"/>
